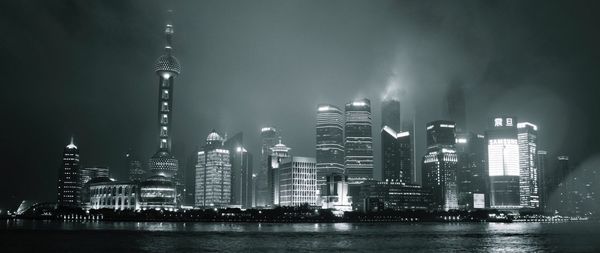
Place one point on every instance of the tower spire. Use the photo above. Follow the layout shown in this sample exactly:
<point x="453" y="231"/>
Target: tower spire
<point x="169" y="32"/>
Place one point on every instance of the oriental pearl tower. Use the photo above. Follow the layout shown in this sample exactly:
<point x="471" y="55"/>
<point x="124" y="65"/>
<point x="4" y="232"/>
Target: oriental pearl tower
<point x="167" y="67"/>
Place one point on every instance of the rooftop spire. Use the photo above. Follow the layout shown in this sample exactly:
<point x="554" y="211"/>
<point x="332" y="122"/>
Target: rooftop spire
<point x="169" y="32"/>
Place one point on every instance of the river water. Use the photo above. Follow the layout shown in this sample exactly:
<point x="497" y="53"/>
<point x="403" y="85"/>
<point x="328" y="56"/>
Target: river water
<point x="53" y="236"/>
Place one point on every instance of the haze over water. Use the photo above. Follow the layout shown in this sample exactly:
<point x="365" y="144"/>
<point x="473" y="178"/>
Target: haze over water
<point x="50" y="236"/>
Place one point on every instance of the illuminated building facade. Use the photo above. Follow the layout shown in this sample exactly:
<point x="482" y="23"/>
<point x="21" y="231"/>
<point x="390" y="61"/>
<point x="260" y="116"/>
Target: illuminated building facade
<point x="278" y="152"/>
<point x="213" y="174"/>
<point x="393" y="195"/>
<point x="358" y="141"/>
<point x="440" y="164"/>
<point x="158" y="192"/>
<point x="329" y="142"/>
<point x="529" y="172"/>
<point x="106" y="193"/>
<point x="335" y="195"/>
<point x="471" y="172"/>
<point x="269" y="136"/>
<point x="69" y="185"/>
<point x="298" y="181"/>
<point x="503" y="163"/>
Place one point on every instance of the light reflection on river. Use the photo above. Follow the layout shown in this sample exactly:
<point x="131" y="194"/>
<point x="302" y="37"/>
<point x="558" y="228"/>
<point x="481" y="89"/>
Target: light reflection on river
<point x="50" y="236"/>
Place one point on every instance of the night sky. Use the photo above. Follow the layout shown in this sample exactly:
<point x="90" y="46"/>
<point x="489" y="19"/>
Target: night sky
<point x="85" y="68"/>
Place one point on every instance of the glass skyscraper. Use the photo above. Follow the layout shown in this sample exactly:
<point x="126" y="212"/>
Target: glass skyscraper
<point x="329" y="142"/>
<point x="269" y="136"/>
<point x="358" y="141"/>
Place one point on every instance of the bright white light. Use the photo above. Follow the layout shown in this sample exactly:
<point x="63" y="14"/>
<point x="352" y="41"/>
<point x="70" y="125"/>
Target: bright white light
<point x="447" y="125"/>
<point x="497" y="122"/>
<point x="264" y="129"/>
<point x="429" y="127"/>
<point x="359" y="103"/>
<point x="525" y="124"/>
<point x="503" y="157"/>
<point x="402" y="134"/>
<point x="461" y="140"/>
<point x="324" y="108"/>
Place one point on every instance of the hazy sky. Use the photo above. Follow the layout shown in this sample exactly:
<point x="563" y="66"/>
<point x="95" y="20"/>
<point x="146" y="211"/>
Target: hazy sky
<point x="85" y="68"/>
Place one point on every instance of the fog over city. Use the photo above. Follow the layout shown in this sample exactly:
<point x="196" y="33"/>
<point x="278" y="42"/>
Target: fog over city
<point x="85" y="69"/>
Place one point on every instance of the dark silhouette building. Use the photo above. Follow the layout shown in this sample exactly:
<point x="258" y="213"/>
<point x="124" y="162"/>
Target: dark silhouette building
<point x="457" y="110"/>
<point x="471" y="170"/>
<point x="241" y="171"/>
<point x="269" y="136"/>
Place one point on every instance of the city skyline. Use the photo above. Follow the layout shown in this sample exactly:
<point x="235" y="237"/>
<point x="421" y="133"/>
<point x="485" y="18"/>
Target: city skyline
<point x="105" y="144"/>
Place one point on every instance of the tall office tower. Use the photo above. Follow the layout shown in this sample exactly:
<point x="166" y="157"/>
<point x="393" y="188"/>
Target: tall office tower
<point x="89" y="173"/>
<point x="503" y="163"/>
<point x="167" y="68"/>
<point x="560" y="180"/>
<point x="268" y="138"/>
<point x="278" y="152"/>
<point x="407" y="120"/>
<point x="457" y="110"/>
<point x="528" y="184"/>
<point x="471" y="171"/>
<point x="542" y="165"/>
<point x="134" y="167"/>
<point x="298" y="181"/>
<point x="213" y="174"/>
<point x="330" y="142"/>
<point x="440" y="164"/>
<point x="396" y="156"/>
<point x="358" y="141"/>
<point x="241" y="171"/>
<point x="68" y="177"/>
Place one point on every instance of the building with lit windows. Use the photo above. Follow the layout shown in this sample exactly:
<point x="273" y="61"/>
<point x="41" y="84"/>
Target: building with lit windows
<point x="213" y="174"/>
<point x="471" y="170"/>
<point x="543" y="180"/>
<point x="334" y="195"/>
<point x="329" y="142"/>
<point x="503" y="163"/>
<point x="529" y="174"/>
<point x="269" y="136"/>
<point x="298" y="181"/>
<point x="278" y="152"/>
<point x="107" y="193"/>
<point x="358" y="141"/>
<point x="393" y="195"/>
<point x="69" y="185"/>
<point x="440" y="165"/>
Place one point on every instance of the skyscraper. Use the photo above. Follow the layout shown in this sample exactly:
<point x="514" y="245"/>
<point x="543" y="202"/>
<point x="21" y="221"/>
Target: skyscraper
<point x="330" y="142"/>
<point x="457" y="110"/>
<point x="134" y="167"/>
<point x="396" y="156"/>
<point x="298" y="181"/>
<point x="440" y="164"/>
<point x="167" y="68"/>
<point x="68" y="177"/>
<point x="278" y="152"/>
<point x="358" y="141"/>
<point x="528" y="184"/>
<point x="241" y="171"/>
<point x="471" y="171"/>
<point x="268" y="138"/>
<point x="543" y="180"/>
<point x="503" y="163"/>
<point x="213" y="174"/>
